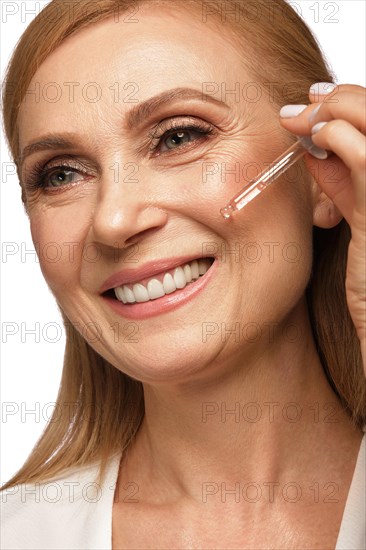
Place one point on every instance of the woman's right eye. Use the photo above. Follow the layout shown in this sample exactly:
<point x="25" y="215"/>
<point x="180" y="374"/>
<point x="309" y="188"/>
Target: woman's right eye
<point x="54" y="177"/>
<point x="59" y="177"/>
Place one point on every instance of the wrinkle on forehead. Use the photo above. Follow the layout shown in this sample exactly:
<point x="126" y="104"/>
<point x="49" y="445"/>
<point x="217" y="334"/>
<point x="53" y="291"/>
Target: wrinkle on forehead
<point x="114" y="49"/>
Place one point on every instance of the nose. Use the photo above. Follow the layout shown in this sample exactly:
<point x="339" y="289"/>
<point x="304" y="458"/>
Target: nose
<point x="125" y="212"/>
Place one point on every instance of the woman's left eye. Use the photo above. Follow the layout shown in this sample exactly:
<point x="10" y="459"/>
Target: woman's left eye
<point x="179" y="137"/>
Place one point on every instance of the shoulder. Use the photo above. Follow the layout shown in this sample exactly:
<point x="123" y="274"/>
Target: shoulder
<point x="57" y="514"/>
<point x="352" y="534"/>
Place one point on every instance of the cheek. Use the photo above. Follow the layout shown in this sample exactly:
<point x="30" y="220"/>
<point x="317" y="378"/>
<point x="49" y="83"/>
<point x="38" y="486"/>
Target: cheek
<point x="269" y="244"/>
<point x="58" y="235"/>
<point x="283" y="209"/>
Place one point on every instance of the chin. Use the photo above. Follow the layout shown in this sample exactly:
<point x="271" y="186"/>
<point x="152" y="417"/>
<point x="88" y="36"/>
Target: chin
<point x="172" y="362"/>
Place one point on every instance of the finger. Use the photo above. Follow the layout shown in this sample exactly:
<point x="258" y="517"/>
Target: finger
<point x="323" y="91"/>
<point x="344" y="105"/>
<point x="349" y="145"/>
<point x="299" y="119"/>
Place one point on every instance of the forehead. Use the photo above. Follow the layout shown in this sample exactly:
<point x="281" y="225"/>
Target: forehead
<point x="115" y="64"/>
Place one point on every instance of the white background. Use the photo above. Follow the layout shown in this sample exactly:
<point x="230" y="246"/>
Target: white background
<point x="31" y="363"/>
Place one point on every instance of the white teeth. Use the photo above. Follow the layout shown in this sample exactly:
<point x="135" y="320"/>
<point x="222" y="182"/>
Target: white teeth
<point x="169" y="284"/>
<point x="194" y="269"/>
<point x="120" y="294"/>
<point x="130" y="297"/>
<point x="182" y="275"/>
<point x="140" y="293"/>
<point x="187" y="273"/>
<point x="179" y="278"/>
<point x="155" y="289"/>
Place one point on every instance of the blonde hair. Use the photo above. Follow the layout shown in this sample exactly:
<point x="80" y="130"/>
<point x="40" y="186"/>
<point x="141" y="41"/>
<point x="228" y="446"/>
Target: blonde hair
<point x="289" y="53"/>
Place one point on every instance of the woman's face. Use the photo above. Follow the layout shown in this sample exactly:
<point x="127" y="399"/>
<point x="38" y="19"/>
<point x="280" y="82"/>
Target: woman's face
<point x="138" y="188"/>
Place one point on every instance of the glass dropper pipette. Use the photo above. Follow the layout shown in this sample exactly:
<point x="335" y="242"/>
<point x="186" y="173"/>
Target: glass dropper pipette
<point x="270" y="174"/>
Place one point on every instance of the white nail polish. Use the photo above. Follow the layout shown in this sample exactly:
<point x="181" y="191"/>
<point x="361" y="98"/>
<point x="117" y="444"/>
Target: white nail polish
<point x="318" y="153"/>
<point x="317" y="127"/>
<point x="322" y="88"/>
<point x="290" y="111"/>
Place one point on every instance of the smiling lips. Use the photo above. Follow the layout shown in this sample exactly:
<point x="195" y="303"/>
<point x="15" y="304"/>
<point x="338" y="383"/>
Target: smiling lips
<point x="164" y="283"/>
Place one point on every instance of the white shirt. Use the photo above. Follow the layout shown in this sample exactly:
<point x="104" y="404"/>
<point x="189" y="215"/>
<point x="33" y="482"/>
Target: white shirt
<point x="74" y="513"/>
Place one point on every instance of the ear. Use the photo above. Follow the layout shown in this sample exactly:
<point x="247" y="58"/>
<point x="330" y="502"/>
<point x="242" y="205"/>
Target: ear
<point x="325" y="213"/>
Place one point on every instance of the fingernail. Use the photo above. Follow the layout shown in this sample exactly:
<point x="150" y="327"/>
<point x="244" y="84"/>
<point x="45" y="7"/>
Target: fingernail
<point x="318" y="153"/>
<point x="322" y="88"/>
<point x="290" y="111"/>
<point x="314" y="113"/>
<point x="317" y="127"/>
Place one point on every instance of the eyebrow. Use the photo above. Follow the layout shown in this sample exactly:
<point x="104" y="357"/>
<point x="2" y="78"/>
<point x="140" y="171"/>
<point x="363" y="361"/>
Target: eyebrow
<point x="134" y="117"/>
<point x="138" y="113"/>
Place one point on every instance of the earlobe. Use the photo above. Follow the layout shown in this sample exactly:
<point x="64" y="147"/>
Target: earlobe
<point x="325" y="213"/>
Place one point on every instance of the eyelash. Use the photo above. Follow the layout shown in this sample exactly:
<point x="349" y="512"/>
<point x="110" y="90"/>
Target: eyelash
<point x="36" y="178"/>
